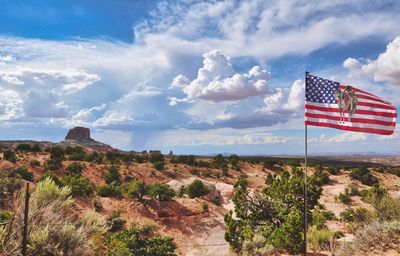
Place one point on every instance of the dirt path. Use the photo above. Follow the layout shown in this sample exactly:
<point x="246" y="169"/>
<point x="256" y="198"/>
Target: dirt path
<point x="207" y="233"/>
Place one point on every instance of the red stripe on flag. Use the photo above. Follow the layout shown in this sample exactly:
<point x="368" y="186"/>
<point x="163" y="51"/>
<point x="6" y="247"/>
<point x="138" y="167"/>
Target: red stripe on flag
<point x="349" y="128"/>
<point x="358" y="111"/>
<point x="353" y="120"/>
<point x="358" y="90"/>
<point x="370" y="98"/>
<point x="375" y="105"/>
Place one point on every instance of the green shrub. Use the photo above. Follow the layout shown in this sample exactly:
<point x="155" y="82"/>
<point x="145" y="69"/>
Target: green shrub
<point x="156" y="157"/>
<point x="80" y="186"/>
<point x="57" y="152"/>
<point x="207" y="173"/>
<point x="318" y="239"/>
<point x="358" y="216"/>
<point x="99" y="159"/>
<point x="373" y="195"/>
<point x="275" y="214"/>
<point x="294" y="162"/>
<point x="98" y="206"/>
<point x="201" y="163"/>
<point x="183" y="159"/>
<point x="74" y="150"/>
<point x="137" y="189"/>
<point x="395" y="171"/>
<point x="237" y="168"/>
<point x="109" y="190"/>
<point x="23" y="147"/>
<point x="217" y="200"/>
<point x="219" y="162"/>
<point x="53" y="164"/>
<point x="34" y="163"/>
<point x="92" y="156"/>
<point x="329" y="215"/>
<point x="24" y="174"/>
<point x="8" y="186"/>
<point x="182" y="191"/>
<point x="364" y="175"/>
<point x="4" y="217"/>
<point x="115" y="222"/>
<point x="77" y="157"/>
<point x="289" y="235"/>
<point x="388" y="208"/>
<point x="338" y="234"/>
<point x="112" y="176"/>
<point x="233" y="159"/>
<point x="36" y="148"/>
<point x="205" y="207"/>
<point x="137" y="241"/>
<point x="345" y="197"/>
<point x="225" y="171"/>
<point x="112" y="157"/>
<point x="353" y="190"/>
<point x="56" y="157"/>
<point x="51" y="175"/>
<point x="75" y="168"/>
<point x="140" y="158"/>
<point x="194" y="172"/>
<point x="333" y="170"/>
<point x="196" y="189"/>
<point x="161" y="191"/>
<point x="319" y="218"/>
<point x="258" y="246"/>
<point x="128" y="178"/>
<point x="268" y="163"/>
<point x="159" y="166"/>
<point x="127" y="158"/>
<point x="10" y="156"/>
<point x="322" y="178"/>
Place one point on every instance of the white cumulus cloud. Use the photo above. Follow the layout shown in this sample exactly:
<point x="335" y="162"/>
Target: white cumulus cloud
<point x="217" y="81"/>
<point x="386" y="68"/>
<point x="6" y="58"/>
<point x="351" y="63"/>
<point x="281" y="105"/>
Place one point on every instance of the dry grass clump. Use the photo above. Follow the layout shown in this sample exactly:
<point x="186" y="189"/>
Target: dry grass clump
<point x="376" y="237"/>
<point x="258" y="246"/>
<point x="54" y="228"/>
<point x="319" y="239"/>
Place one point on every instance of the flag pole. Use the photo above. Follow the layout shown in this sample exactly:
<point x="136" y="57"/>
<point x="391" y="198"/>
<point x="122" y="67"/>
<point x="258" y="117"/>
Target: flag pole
<point x="305" y="177"/>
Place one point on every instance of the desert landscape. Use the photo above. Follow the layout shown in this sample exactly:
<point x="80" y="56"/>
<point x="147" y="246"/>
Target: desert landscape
<point x="105" y="180"/>
<point x="199" y="128"/>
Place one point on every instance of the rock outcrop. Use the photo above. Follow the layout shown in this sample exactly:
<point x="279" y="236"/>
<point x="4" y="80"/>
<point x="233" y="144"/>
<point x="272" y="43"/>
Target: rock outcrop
<point x="80" y="134"/>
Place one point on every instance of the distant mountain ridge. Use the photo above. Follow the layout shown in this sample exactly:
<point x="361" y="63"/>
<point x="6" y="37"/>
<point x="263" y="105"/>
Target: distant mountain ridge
<point x="77" y="136"/>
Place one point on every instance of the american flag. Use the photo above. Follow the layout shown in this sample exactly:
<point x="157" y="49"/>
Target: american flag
<point x="323" y="108"/>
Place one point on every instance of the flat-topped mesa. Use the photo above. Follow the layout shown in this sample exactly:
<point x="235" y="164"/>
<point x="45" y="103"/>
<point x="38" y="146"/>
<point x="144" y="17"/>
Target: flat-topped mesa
<point x="80" y="134"/>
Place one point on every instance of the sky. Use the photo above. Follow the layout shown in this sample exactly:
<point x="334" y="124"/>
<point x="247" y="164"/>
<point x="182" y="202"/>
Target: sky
<point x="194" y="77"/>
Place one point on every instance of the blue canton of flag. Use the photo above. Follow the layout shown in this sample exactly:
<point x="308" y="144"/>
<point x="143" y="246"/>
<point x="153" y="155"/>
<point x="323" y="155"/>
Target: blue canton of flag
<point x="320" y="90"/>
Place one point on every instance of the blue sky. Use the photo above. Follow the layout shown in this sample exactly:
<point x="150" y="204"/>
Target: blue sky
<point x="194" y="77"/>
